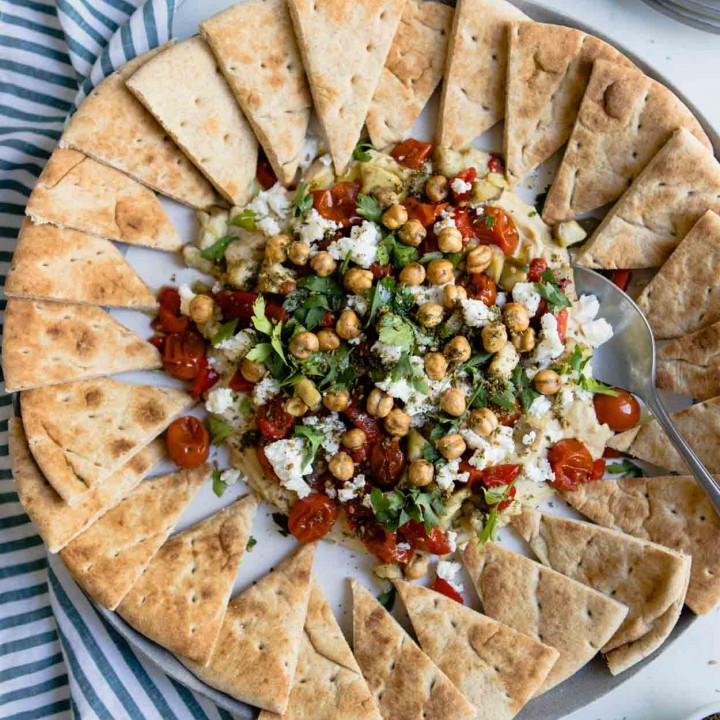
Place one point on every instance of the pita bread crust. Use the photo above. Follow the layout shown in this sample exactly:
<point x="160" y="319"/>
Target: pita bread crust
<point x="669" y="196"/>
<point x="545" y="605"/>
<point x="180" y="600"/>
<point x="255" y="46"/>
<point x="672" y="511"/>
<point x="257" y="650"/>
<point x="81" y="433"/>
<point x="110" y="556"/>
<point x="359" y="32"/>
<point x="672" y="305"/>
<point x="75" y="191"/>
<point x="201" y="115"/>
<point x="646" y="577"/>
<point x="414" y="68"/>
<point x="624" y="120"/>
<point x="56" y="522"/>
<point x="404" y="681"/>
<point x="112" y="127"/>
<point x="52" y="263"/>
<point x="495" y="667"/>
<point x="473" y="97"/>
<point x="46" y="343"/>
<point x="548" y="70"/>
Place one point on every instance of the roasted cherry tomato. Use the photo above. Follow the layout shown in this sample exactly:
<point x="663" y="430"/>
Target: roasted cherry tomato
<point x="188" y="442"/>
<point x="384" y="544"/>
<point x="435" y="542"/>
<point x="412" y="153"/>
<point x="621" y="412"/>
<point x="170" y="300"/>
<point x="469" y="176"/>
<point x="266" y="465"/>
<point x="537" y="267"/>
<point x="426" y="213"/>
<point x="463" y="223"/>
<point x="264" y="173"/>
<point x="496" y="164"/>
<point x="205" y="378"/>
<point x="338" y="203"/>
<point x="239" y="304"/>
<point x="387" y="461"/>
<point x="312" y="517"/>
<point x="169" y="319"/>
<point x="572" y="464"/>
<point x="273" y="421"/>
<point x="445" y="588"/>
<point x="158" y="341"/>
<point x="622" y="278"/>
<point x="183" y="354"/>
<point x="500" y="475"/>
<point x="239" y="384"/>
<point x="495" y="227"/>
<point x="380" y="271"/>
<point x="562" y="323"/>
<point x="482" y="287"/>
<point x="506" y="417"/>
<point x="365" y="422"/>
<point x="611" y="453"/>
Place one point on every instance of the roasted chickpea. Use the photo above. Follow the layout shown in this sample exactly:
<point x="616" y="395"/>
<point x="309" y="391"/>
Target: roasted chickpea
<point x="353" y="439"/>
<point x="397" y="423"/>
<point x="385" y="197"/>
<point x="412" y="274"/>
<point x="450" y="240"/>
<point x="394" y="217"/>
<point x="252" y="371"/>
<point x="357" y="280"/>
<point x="478" y="259"/>
<point x="516" y="317"/>
<point x="299" y="252"/>
<point x="348" y="325"/>
<point x="201" y="309"/>
<point x="417" y="567"/>
<point x="336" y="401"/>
<point x="451" y="446"/>
<point x="304" y="344"/>
<point x="412" y="233"/>
<point x="440" y="272"/>
<point x="295" y="406"/>
<point x="494" y="337"/>
<point x="483" y="421"/>
<point x="276" y="248"/>
<point x="452" y="295"/>
<point x="328" y="340"/>
<point x="305" y="389"/>
<point x="421" y="473"/>
<point x="524" y="341"/>
<point x="547" y="382"/>
<point x="323" y="264"/>
<point x="437" y="188"/>
<point x="458" y="350"/>
<point x="379" y="404"/>
<point x="430" y="314"/>
<point x="436" y="365"/>
<point x="341" y="466"/>
<point x="453" y="401"/>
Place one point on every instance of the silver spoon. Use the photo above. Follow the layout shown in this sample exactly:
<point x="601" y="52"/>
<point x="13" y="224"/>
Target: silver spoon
<point x="627" y="360"/>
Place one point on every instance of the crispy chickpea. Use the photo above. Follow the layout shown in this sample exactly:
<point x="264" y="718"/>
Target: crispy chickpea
<point x="430" y="314"/>
<point x="417" y="567"/>
<point x="328" y="340"/>
<point x="494" y="337"/>
<point x="201" y="309"/>
<point x="440" y="272"/>
<point x="337" y="401"/>
<point x="353" y="439"/>
<point x="295" y="406"/>
<point x="451" y="446"/>
<point x="547" y="382"/>
<point x="478" y="259"/>
<point x="421" y="473"/>
<point x="323" y="264"/>
<point x="516" y="317"/>
<point x="412" y="233"/>
<point x="299" y="253"/>
<point x="483" y="421"/>
<point x="252" y="371"/>
<point x="453" y="401"/>
<point x="436" y="365"/>
<point x="341" y="466"/>
<point x="524" y="341"/>
<point x="397" y="423"/>
<point x="452" y="295"/>
<point x="450" y="240"/>
<point x="437" y="188"/>
<point x="276" y="248"/>
<point x="304" y="344"/>
<point x="394" y="217"/>
<point x="385" y="197"/>
<point x="458" y="349"/>
<point x="357" y="280"/>
<point x="348" y="325"/>
<point x="379" y="404"/>
<point x="412" y="274"/>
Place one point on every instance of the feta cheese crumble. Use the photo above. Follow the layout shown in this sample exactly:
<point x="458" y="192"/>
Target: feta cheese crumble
<point x="582" y="325"/>
<point x="460" y="187"/>
<point x="230" y="476"/>
<point x="388" y="354"/>
<point x="286" y="458"/>
<point x="476" y="313"/>
<point x="271" y="208"/>
<point x="186" y="297"/>
<point x="332" y="427"/>
<point x="526" y="294"/>
<point x="219" y="400"/>
<point x="313" y="227"/>
<point x="449" y="473"/>
<point x="265" y="390"/>
<point x="350" y="489"/>
<point x="235" y="348"/>
<point x="362" y="245"/>
<point x="550" y="345"/>
<point x="447" y="571"/>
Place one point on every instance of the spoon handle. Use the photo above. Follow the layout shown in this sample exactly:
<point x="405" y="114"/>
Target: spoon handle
<point x="706" y="481"/>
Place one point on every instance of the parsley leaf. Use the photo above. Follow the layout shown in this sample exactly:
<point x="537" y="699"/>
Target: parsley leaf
<point x="382" y="294"/>
<point x="505" y="398"/>
<point x="361" y="152"/>
<point x="282" y="522"/>
<point x="313" y="439"/>
<point x="226" y="331"/>
<point x="414" y="375"/>
<point x="261" y="323"/>
<point x="369" y="207"/>
<point x="526" y="393"/>
<point x="387" y="598"/>
<point x="390" y="250"/>
<point x="216" y="251"/>
<point x="246" y="407"/>
<point x="393" y="509"/>
<point x="596" y="387"/>
<point x="260" y="353"/>
<point x="488" y="219"/>
<point x="393" y="330"/>
<point x="220" y="430"/>
<point x="429" y="257"/>
<point x="219" y="487"/>
<point x="626" y="469"/>
<point x="551" y="291"/>
<point x="245" y="220"/>
<point x="251" y="543"/>
<point x="489" y="531"/>
<point x="496" y="495"/>
<point x="303" y="199"/>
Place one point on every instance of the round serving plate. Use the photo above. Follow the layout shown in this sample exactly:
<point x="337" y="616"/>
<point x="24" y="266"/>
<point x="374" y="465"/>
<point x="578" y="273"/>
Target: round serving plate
<point x="334" y="564"/>
<point x="702" y="15"/>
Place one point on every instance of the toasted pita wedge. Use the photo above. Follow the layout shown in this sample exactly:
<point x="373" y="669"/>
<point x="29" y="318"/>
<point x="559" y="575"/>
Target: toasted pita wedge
<point x="257" y="650"/>
<point x="201" y="115"/>
<point x="675" y="304"/>
<point x="328" y="684"/>
<point x="74" y="191"/>
<point x="81" y="433"/>
<point x="495" y="667"/>
<point x="699" y="423"/>
<point x="624" y="119"/>
<point x="113" y="127"/>
<point x="256" y="50"/>
<point x="180" y="600"/>
<point x="669" y="196"/>
<point x="110" y="556"/>
<point x="548" y="70"/>
<point x="545" y="605"/>
<point x="52" y="263"/>
<point x="473" y="96"/>
<point x="46" y="343"/>
<point x="672" y="511"/>
<point x="404" y="681"/>
<point x="413" y="70"/>
<point x="59" y="523"/>
<point x="361" y="34"/>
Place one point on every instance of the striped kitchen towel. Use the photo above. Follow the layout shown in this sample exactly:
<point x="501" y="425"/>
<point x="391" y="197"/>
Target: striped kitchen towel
<point x="58" y="657"/>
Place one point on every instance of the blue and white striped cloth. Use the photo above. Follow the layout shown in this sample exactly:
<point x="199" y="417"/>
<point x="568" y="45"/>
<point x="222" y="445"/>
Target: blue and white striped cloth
<point x="58" y="658"/>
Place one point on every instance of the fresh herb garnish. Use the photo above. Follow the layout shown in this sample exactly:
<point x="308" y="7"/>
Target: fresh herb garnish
<point x="251" y="543"/>
<point x="390" y="250"/>
<point x="429" y="257"/>
<point x="526" y="393"/>
<point x="313" y="439"/>
<point x="393" y="509"/>
<point x="488" y="219"/>
<point x="361" y="153"/>
<point x="505" y="398"/>
<point x="552" y="292"/>
<point x="245" y="220"/>
<point x="369" y="208"/>
<point x="596" y="387"/>
<point x="489" y="531"/>
<point x="282" y="522"/>
<point x="381" y="296"/>
<point x="625" y="468"/>
<point x="387" y="598"/>
<point x="394" y="330"/>
<point x="226" y="331"/>
<point x="313" y="298"/>
<point x="262" y="324"/>
<point x="220" y="430"/>
<point x="216" y="251"/>
<point x="412" y="373"/>
<point x="246" y="407"/>
<point x="303" y="199"/>
<point x="218" y="486"/>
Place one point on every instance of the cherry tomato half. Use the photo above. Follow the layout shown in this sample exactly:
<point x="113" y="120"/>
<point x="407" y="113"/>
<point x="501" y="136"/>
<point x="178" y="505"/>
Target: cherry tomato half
<point x="384" y="544"/>
<point x="495" y="227"/>
<point x="498" y="475"/>
<point x="188" y="442"/>
<point x="621" y="412"/>
<point x="463" y="223"/>
<point x="468" y="175"/>
<point x="537" y="267"/>
<point x="496" y="164"/>
<point x="365" y="422"/>
<point x="387" y="461"/>
<point x="426" y="213"/>
<point x="412" y="153"/>
<point x="572" y="464"/>
<point x="562" y="323"/>
<point x="264" y="173"/>
<point x="169" y="319"/>
<point x="239" y="304"/>
<point x="183" y="354"/>
<point x="435" y="542"/>
<point x="312" y="517"/>
<point x="482" y="287"/>
<point x="339" y="203"/>
<point x="273" y="421"/>
<point x="622" y="278"/>
<point x="445" y="588"/>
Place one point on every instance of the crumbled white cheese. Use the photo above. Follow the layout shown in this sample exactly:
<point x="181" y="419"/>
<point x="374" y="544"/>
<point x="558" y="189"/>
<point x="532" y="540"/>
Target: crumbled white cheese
<point x="550" y="345"/>
<point x="236" y="347"/>
<point x="186" y="297"/>
<point x="313" y="227"/>
<point x="286" y="458"/>
<point x="582" y="325"/>
<point x="219" y="400"/>
<point x="331" y="426"/>
<point x="358" y="303"/>
<point x="460" y="187"/>
<point x="265" y="390"/>
<point x="452" y="540"/>
<point x="498" y="449"/>
<point x="428" y="293"/>
<point x="501" y="299"/>
<point x="537" y="470"/>
<point x="529" y="438"/>
<point x="447" y="570"/>
<point x="540" y="406"/>
<point x="477" y="313"/>
<point x="388" y="354"/>
<point x="449" y="473"/>
<point x="362" y="245"/>
<point x="526" y="294"/>
<point x="271" y="208"/>
<point x="230" y="476"/>
<point x="350" y="489"/>
<point x="444" y="221"/>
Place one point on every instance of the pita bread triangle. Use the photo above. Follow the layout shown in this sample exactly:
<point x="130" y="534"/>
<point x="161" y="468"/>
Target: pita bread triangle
<point x="548" y="70"/>
<point x="646" y="577"/>
<point x="81" y="433"/>
<point x="45" y="343"/>
<point x="52" y="263"/>
<point x="328" y="684"/>
<point x="669" y="196"/>
<point x="201" y="115"/>
<point x="404" y="681"/>
<point x="675" y="307"/>
<point x="624" y="119"/>
<point x="497" y="668"/>
<point x="544" y="605"/>
<point x="361" y="34"/>
<point x="110" y="556"/>
<point x="473" y="96"/>
<point x="256" y="50"/>
<point x="672" y="511"/>
<point x="257" y="650"/>
<point x="414" y="68"/>
<point x="112" y="127"/>
<point x="75" y="191"/>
